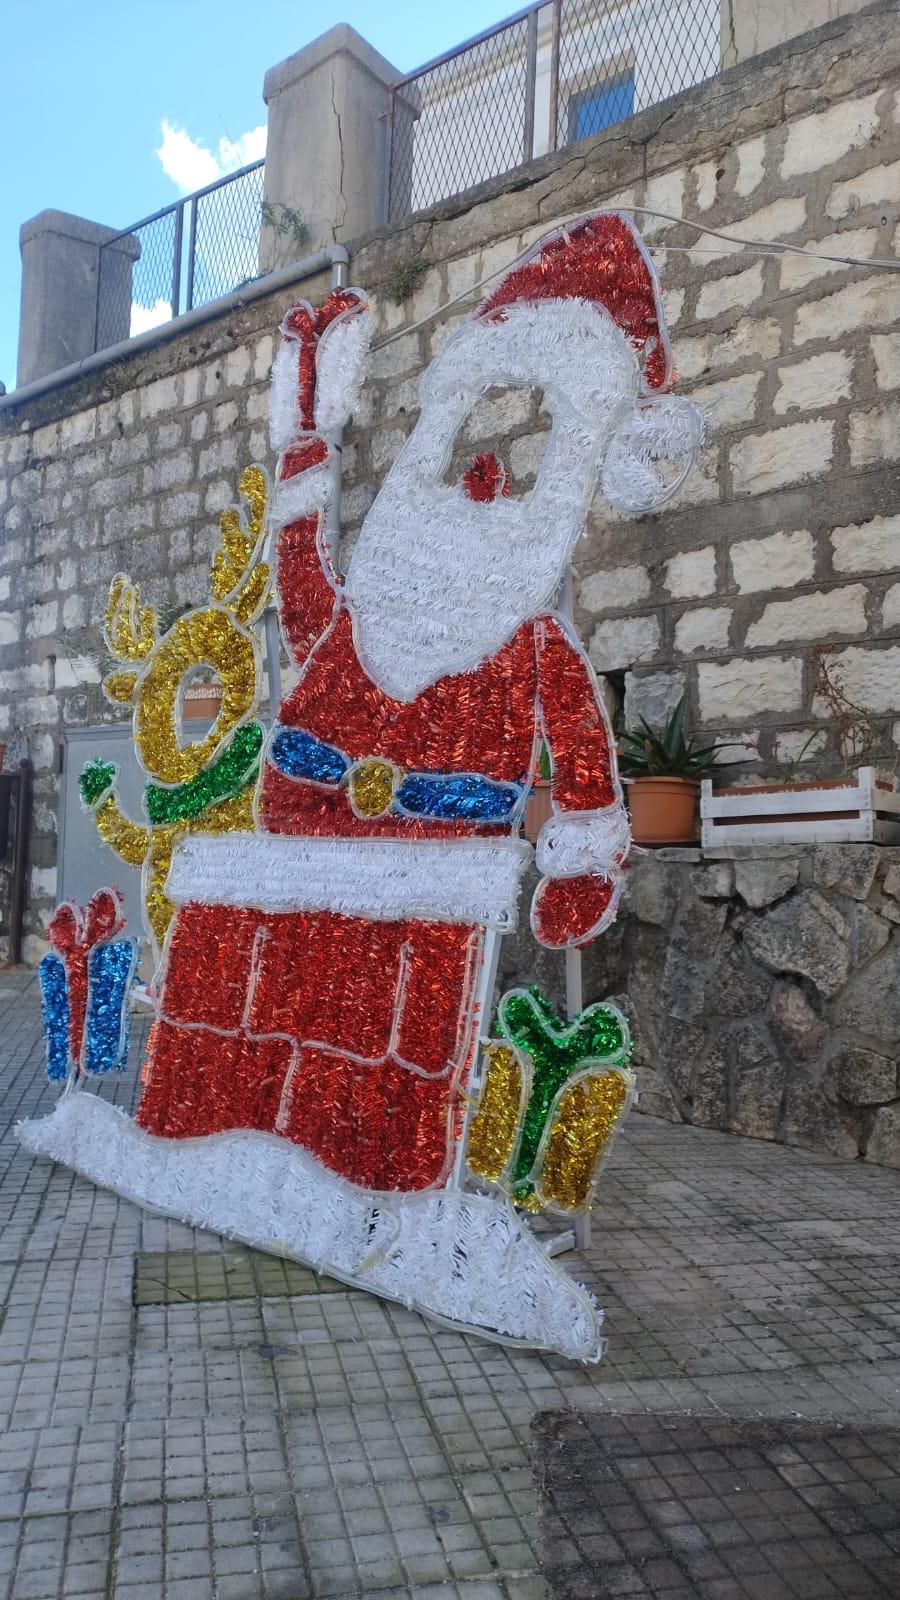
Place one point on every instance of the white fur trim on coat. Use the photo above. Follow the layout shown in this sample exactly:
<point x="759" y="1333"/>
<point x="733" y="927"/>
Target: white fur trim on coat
<point x="341" y="368"/>
<point x="284" y="395"/>
<point x="472" y="881"/>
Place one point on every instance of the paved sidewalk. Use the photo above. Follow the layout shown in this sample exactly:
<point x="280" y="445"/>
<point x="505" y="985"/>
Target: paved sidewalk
<point x="182" y="1417"/>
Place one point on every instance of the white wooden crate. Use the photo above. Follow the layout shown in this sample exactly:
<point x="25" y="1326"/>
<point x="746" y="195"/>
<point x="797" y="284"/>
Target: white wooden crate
<point x="863" y="808"/>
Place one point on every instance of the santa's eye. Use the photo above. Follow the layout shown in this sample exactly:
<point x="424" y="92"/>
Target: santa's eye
<point x="517" y="415"/>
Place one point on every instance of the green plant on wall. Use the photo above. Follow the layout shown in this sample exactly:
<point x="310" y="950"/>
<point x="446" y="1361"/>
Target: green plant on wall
<point x="665" y="752"/>
<point x="855" y="733"/>
<point x="290" y="227"/>
<point x="789" y="771"/>
<point x="403" y="285"/>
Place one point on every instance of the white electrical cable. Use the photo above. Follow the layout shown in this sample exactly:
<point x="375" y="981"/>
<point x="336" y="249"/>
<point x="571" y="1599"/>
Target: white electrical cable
<point x="773" y="248"/>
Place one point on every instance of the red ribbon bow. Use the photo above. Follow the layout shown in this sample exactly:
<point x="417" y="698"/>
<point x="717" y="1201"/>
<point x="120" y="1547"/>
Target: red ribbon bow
<point x="73" y="932"/>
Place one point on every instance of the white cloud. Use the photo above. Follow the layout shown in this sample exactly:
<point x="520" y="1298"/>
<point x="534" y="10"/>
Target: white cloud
<point x="144" y="317"/>
<point x="250" y="146"/>
<point x="190" y="165"/>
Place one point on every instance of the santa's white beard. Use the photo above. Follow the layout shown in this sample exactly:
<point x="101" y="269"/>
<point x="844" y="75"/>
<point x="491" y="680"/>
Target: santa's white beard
<point x="438" y="583"/>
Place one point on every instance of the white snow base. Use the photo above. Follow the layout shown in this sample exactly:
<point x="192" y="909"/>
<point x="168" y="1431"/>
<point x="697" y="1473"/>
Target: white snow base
<point x="466" y="1260"/>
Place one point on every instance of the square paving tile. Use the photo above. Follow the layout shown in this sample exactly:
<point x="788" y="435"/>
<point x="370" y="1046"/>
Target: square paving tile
<point x="662" y="1506"/>
<point x="182" y="1416"/>
<point x="175" y="1277"/>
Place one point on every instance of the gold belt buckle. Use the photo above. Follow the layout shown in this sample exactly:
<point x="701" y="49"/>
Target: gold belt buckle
<point x="372" y="783"/>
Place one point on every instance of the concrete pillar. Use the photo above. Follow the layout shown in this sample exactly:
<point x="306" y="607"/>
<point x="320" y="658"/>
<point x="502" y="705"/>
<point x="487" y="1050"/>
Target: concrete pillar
<point x="71" y="268"/>
<point x="751" y="26"/>
<point x="327" y="148"/>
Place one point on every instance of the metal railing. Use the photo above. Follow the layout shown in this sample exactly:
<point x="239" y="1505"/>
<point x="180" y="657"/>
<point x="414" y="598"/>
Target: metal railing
<point x="558" y="71"/>
<point x="183" y="256"/>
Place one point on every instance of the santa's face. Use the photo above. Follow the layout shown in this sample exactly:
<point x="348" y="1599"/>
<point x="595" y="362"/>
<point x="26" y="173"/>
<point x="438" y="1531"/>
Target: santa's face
<point x="438" y="581"/>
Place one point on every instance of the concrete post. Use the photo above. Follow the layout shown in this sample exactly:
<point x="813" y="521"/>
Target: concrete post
<point x="329" y="108"/>
<point x="65" y="268"/>
<point x="751" y="26"/>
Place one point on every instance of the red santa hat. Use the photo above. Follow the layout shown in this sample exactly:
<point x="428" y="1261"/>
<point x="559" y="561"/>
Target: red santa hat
<point x="601" y="258"/>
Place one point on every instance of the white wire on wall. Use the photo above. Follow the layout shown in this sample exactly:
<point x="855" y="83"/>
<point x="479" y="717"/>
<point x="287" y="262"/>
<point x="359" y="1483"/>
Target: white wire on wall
<point x="771" y="248"/>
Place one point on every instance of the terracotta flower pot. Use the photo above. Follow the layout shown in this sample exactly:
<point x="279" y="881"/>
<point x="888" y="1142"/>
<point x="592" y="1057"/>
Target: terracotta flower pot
<point x="663" y="810"/>
<point x="202" y="702"/>
<point x="538" y="809"/>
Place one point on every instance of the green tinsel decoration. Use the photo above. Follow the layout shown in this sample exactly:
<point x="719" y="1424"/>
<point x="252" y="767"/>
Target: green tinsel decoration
<point x="227" y="775"/>
<point x="556" y="1049"/>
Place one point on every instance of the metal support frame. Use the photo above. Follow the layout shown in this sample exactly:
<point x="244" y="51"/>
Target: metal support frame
<point x="192" y="254"/>
<point x="578" y="1234"/>
<point x="20" y="862"/>
<point x="531" y="42"/>
<point x="386" y="126"/>
<point x="487" y="978"/>
<point x="273" y="662"/>
<point x="554" y="74"/>
<point x="176" y="259"/>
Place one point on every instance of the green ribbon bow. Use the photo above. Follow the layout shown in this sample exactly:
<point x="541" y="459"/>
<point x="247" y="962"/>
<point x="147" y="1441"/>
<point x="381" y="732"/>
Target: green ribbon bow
<point x="556" y="1049"/>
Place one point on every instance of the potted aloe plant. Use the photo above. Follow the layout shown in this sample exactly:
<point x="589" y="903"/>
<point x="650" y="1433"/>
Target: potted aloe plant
<point x="662" y="768"/>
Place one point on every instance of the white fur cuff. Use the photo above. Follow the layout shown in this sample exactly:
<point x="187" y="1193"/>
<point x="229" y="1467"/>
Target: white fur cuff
<point x="587" y="841"/>
<point x="341" y="367"/>
<point x="301" y="496"/>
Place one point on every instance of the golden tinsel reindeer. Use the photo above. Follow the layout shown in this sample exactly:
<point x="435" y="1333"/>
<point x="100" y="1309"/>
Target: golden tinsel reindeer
<point x="205" y="785"/>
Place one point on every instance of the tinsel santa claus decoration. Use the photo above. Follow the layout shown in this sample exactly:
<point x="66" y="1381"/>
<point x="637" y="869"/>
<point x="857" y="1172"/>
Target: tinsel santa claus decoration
<point x="320" y="974"/>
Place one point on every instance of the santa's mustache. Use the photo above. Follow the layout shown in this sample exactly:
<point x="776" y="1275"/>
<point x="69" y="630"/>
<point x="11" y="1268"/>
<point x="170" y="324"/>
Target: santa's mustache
<point x="437" y="584"/>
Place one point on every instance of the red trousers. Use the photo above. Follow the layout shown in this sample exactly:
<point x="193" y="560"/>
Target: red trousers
<point x="347" y="1036"/>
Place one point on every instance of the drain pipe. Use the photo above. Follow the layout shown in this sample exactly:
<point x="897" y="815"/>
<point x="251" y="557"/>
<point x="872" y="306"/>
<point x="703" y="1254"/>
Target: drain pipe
<point x="335" y="442"/>
<point x="334" y="256"/>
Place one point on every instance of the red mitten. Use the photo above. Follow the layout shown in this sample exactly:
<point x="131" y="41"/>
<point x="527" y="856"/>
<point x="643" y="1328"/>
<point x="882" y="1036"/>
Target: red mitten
<point x="567" y="912"/>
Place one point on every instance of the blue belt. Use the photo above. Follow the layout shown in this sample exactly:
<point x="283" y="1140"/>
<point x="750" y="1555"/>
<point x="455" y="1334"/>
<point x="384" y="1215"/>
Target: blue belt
<point x="377" y="786"/>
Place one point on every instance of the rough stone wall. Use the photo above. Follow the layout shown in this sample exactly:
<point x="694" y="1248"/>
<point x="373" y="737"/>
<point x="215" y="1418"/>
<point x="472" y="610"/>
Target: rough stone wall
<point x="763" y="984"/>
<point x="789" y="533"/>
<point x="787" y="536"/>
<point x="127" y="472"/>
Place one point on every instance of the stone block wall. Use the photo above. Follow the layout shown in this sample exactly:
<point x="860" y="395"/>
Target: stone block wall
<point x="788" y="536"/>
<point x="763" y="985"/>
<point x="125" y="472"/>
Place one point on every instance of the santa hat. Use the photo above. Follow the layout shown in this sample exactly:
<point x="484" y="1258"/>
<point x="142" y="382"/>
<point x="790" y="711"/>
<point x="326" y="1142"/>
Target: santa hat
<point x="601" y="258"/>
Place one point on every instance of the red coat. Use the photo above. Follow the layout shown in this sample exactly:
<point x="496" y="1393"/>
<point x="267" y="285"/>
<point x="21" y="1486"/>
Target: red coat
<point x="489" y="721"/>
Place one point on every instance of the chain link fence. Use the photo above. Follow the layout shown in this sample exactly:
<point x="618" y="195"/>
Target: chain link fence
<point x="550" y="75"/>
<point x="186" y="255"/>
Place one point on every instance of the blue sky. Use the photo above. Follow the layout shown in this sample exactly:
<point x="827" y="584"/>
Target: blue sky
<point x="88" y="87"/>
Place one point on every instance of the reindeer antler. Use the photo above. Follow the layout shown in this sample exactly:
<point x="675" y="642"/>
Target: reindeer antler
<point x="131" y="632"/>
<point x="131" y="629"/>
<point x="239" y="579"/>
